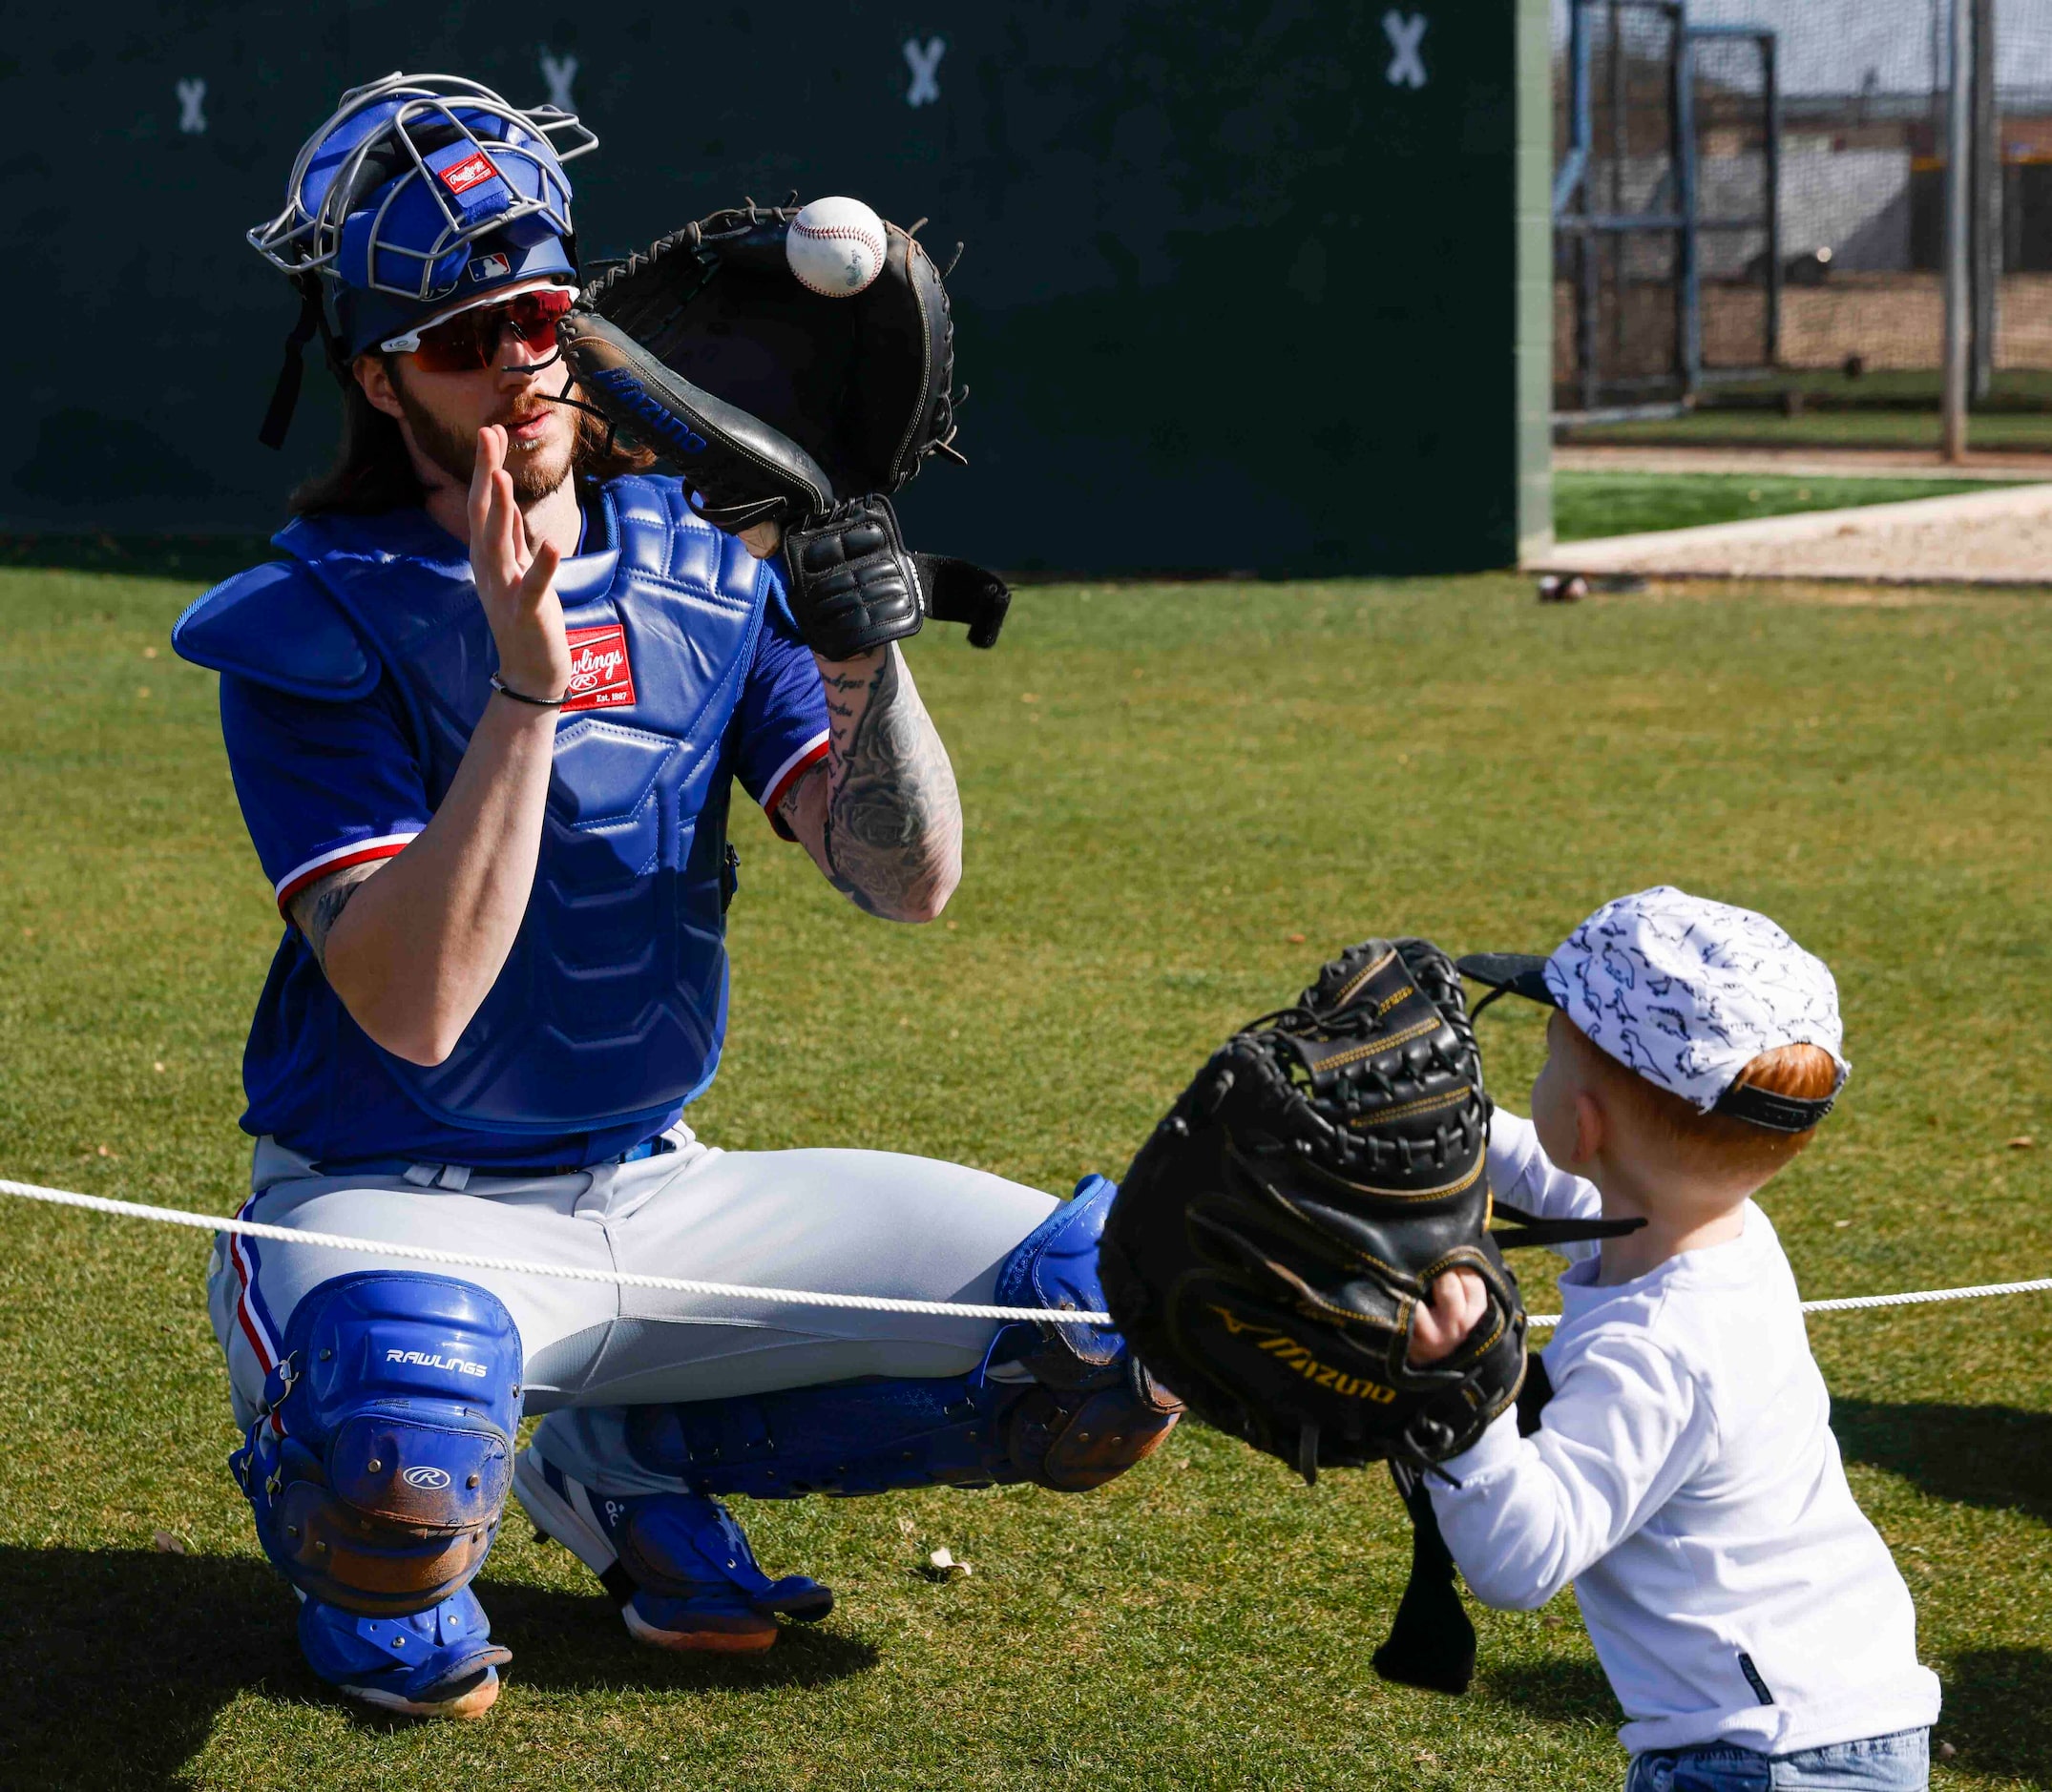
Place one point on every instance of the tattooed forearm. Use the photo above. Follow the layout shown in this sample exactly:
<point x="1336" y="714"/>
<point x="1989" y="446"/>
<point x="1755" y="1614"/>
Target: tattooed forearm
<point x="317" y="908"/>
<point x="890" y="819"/>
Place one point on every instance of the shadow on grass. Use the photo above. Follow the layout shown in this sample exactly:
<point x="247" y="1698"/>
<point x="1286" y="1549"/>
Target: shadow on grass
<point x="1996" y="1701"/>
<point x="563" y="1643"/>
<point x="117" y="1661"/>
<point x="1559" y="1692"/>
<point x="1998" y="1457"/>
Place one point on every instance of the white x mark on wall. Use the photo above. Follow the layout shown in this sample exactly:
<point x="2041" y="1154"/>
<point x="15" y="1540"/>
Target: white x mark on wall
<point x="1405" y="34"/>
<point x="924" y="61"/>
<point x="192" y="95"/>
<point x="559" y="75"/>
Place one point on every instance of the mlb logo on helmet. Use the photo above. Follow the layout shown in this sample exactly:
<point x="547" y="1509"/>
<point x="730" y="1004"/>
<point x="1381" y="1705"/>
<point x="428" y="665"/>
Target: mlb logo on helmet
<point x="472" y="170"/>
<point x="601" y="676"/>
<point x="489" y="267"/>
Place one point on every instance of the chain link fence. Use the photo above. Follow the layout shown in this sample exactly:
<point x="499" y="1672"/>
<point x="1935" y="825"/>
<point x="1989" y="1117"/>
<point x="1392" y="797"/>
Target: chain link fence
<point x="1750" y="218"/>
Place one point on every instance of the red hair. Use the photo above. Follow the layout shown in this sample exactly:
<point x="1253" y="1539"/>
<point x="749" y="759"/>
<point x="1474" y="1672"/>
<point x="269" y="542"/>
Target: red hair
<point x="1717" y="1142"/>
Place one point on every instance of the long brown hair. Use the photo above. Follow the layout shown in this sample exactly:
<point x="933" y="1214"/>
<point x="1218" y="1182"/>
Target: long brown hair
<point x="372" y="472"/>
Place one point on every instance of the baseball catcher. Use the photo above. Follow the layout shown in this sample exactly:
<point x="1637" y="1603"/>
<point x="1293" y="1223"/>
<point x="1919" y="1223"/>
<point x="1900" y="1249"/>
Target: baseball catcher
<point x="1274" y="1249"/>
<point x="486" y="711"/>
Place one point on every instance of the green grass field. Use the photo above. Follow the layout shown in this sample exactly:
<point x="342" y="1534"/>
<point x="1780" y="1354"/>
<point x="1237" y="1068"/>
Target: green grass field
<point x="1179" y="798"/>
<point x="1864" y="428"/>
<point x="1588" y="504"/>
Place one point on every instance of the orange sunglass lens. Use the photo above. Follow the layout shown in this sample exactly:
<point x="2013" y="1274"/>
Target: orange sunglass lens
<point x="470" y="340"/>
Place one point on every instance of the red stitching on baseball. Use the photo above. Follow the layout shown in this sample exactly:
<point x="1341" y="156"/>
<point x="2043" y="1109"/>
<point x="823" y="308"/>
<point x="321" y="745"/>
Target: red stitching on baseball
<point x="838" y="230"/>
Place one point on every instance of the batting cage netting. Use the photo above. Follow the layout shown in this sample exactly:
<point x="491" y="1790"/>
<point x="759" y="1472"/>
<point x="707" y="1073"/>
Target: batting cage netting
<point x="1750" y="213"/>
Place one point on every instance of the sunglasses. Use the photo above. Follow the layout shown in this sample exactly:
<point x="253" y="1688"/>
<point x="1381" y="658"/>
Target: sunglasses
<point x="469" y="341"/>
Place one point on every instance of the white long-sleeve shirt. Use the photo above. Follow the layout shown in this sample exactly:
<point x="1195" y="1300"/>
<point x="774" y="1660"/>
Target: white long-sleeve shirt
<point x="1685" y="1479"/>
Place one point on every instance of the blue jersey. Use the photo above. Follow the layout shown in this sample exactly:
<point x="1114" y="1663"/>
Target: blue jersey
<point x="326" y="783"/>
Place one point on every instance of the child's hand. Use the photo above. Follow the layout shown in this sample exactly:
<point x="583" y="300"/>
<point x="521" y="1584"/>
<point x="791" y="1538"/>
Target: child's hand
<point x="1458" y="1302"/>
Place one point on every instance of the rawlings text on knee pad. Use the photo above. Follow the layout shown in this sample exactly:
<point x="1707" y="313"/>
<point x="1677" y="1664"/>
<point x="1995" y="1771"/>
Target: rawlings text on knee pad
<point x="1088" y="1412"/>
<point x="381" y="1460"/>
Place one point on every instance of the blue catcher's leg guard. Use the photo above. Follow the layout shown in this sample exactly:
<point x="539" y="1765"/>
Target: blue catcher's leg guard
<point x="1064" y="1406"/>
<point x="436" y="1663"/>
<point x="677" y="1563"/>
<point x="377" y="1469"/>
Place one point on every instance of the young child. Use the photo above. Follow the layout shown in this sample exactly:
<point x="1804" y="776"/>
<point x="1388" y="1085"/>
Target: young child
<point x="1684" y="1476"/>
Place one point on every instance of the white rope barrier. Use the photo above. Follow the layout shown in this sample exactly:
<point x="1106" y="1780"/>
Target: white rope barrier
<point x="567" y="1272"/>
<point x="1853" y="1302"/>
<point x="792" y="1297"/>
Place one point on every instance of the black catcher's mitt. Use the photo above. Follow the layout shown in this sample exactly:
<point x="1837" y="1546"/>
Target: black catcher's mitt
<point x="778" y="404"/>
<point x="1274" y="1236"/>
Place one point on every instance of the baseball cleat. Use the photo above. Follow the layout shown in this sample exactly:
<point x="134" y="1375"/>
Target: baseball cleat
<point x="689" y="1624"/>
<point x="482" y="1694"/>
<point x="677" y="1563"/>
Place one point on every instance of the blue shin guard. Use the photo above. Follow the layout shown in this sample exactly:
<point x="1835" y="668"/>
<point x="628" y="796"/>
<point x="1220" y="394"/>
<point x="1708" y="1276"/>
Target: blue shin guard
<point x="377" y="1469"/>
<point x="679" y="1564"/>
<point x="441" y="1662"/>
<point x="1064" y="1406"/>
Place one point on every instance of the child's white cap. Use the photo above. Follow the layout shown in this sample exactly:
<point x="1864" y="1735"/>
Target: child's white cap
<point x="1686" y="992"/>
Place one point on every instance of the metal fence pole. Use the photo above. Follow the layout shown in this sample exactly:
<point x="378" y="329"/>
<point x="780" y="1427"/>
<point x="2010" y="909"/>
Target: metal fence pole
<point x="1984" y="245"/>
<point x="1770" y="84"/>
<point x="1958" y="190"/>
<point x="1687" y="288"/>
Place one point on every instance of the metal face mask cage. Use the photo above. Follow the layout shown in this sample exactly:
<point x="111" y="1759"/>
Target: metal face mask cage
<point x="383" y="123"/>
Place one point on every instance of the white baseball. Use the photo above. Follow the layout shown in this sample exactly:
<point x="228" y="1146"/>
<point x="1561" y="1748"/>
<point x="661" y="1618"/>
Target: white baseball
<point x="835" y="247"/>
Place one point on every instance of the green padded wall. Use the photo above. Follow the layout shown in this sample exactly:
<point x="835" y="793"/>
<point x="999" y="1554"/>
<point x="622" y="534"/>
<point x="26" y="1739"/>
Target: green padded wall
<point x="1242" y="287"/>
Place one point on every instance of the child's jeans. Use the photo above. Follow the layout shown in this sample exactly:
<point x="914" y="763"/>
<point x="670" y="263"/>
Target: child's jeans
<point x="1900" y="1762"/>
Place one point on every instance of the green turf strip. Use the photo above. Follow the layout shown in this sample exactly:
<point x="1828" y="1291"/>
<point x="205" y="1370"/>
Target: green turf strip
<point x="1178" y="798"/>
<point x="1737" y="426"/>
<point x="1588" y="505"/>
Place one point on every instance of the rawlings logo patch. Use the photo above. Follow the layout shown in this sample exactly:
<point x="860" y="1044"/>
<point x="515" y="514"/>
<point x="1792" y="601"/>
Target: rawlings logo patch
<point x="601" y="676"/>
<point x="432" y="1480"/>
<point x="471" y="172"/>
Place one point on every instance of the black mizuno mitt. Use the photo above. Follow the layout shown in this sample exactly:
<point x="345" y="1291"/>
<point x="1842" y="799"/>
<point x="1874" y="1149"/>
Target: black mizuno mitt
<point x="1274" y="1236"/>
<point x="779" y="404"/>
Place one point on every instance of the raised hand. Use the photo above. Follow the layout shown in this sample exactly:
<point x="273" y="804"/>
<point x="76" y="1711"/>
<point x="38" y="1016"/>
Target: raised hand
<point x="516" y="579"/>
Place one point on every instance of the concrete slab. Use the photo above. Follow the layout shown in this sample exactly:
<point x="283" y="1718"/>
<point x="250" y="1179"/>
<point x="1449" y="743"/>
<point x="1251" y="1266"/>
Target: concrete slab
<point x="2002" y="537"/>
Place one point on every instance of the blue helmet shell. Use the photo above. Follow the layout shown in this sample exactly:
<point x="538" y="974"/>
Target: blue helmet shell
<point x="420" y="193"/>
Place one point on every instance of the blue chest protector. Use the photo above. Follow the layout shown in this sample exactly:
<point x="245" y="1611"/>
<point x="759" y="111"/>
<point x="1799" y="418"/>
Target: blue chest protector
<point x="611" y="1006"/>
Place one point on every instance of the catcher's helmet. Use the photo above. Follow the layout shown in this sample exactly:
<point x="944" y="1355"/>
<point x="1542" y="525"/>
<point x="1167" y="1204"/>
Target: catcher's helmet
<point x="420" y="195"/>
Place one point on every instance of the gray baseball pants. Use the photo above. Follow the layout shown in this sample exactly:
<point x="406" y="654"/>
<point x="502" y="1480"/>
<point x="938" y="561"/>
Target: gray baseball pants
<point x="840" y="1222"/>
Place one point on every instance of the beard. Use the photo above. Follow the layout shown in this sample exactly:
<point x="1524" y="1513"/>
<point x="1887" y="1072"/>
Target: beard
<point x="534" y="473"/>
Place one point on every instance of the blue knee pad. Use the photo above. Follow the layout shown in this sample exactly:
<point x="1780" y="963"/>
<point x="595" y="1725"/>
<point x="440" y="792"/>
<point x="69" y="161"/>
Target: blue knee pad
<point x="1055" y="1266"/>
<point x="380" y="1459"/>
<point x="1074" y="1410"/>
